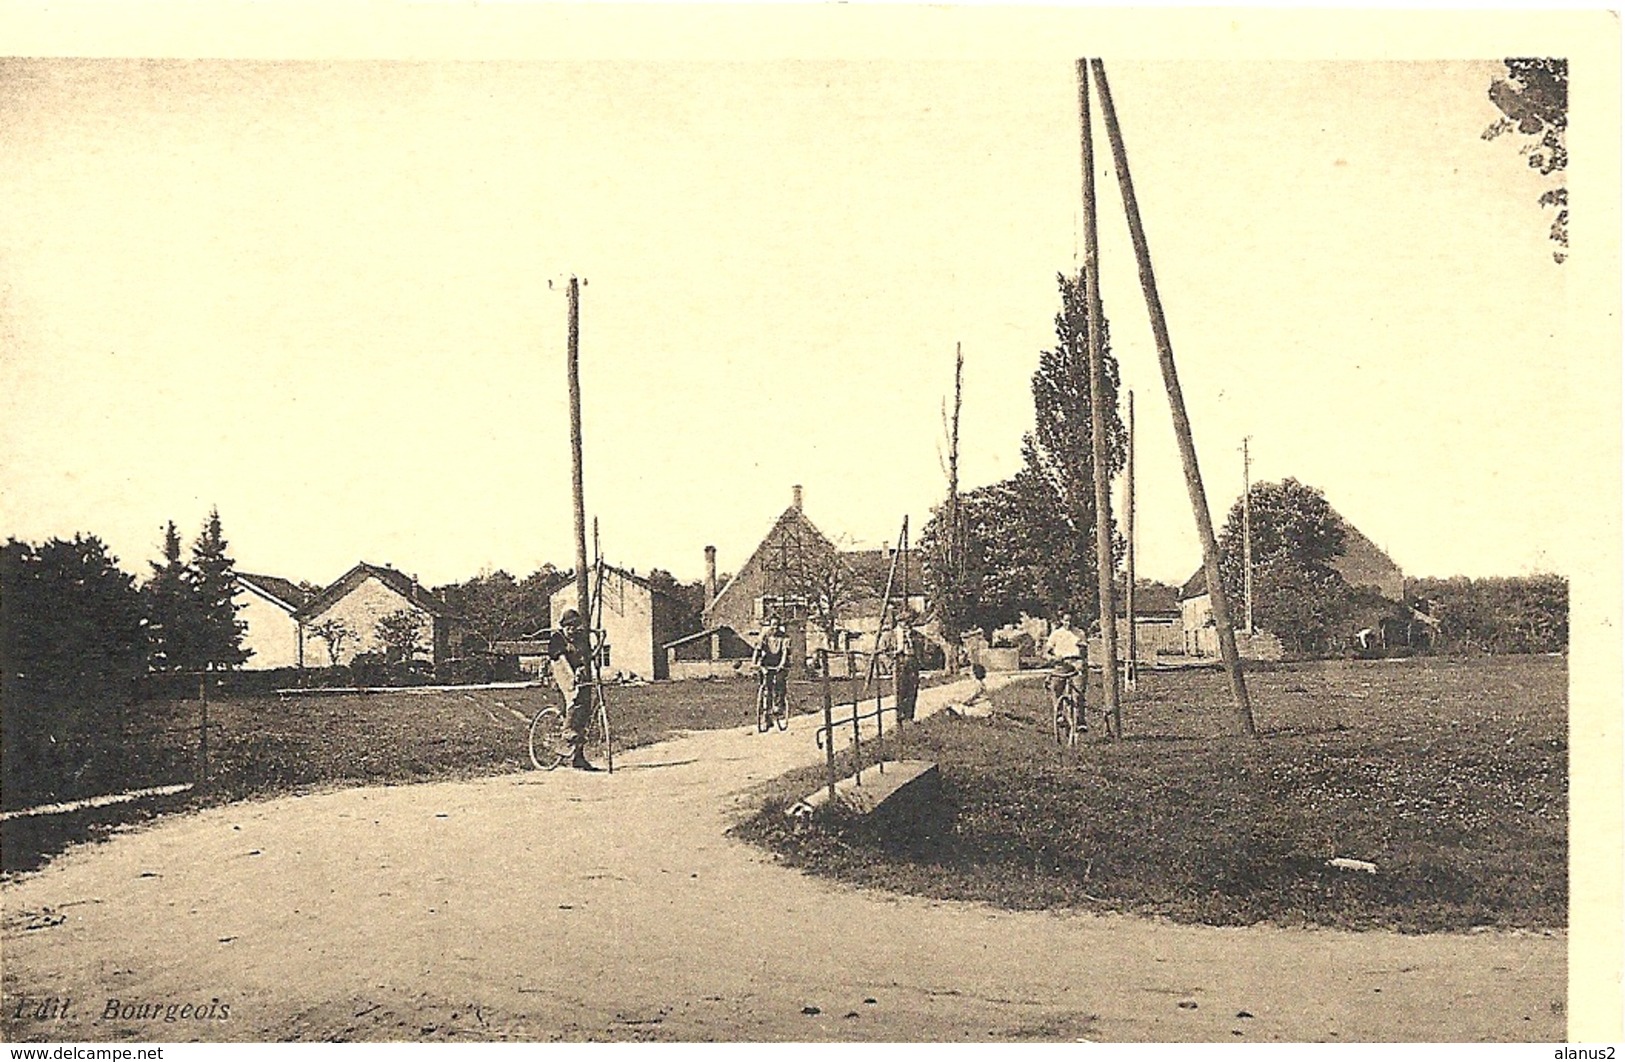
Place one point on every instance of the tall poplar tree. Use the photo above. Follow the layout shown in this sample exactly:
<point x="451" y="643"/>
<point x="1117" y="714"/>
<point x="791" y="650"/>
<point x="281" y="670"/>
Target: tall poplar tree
<point x="1059" y="457"/>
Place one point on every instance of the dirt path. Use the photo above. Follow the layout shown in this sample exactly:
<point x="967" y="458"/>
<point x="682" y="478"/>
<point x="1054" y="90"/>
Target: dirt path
<point x="569" y="906"/>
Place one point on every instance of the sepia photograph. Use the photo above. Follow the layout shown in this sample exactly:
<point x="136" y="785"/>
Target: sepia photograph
<point x="809" y="524"/>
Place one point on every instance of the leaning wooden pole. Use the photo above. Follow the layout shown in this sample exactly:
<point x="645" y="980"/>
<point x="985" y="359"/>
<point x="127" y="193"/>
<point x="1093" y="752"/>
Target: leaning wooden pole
<point x="573" y="358"/>
<point x="885" y="609"/>
<point x="1105" y="569"/>
<point x="1176" y="405"/>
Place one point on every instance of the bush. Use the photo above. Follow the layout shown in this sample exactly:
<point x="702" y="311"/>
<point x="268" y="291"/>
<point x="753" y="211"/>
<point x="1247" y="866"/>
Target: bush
<point x="72" y="645"/>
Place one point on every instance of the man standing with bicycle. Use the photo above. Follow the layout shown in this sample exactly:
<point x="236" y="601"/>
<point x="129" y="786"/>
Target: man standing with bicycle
<point x="772" y="660"/>
<point x="1068" y="668"/>
<point x="569" y="650"/>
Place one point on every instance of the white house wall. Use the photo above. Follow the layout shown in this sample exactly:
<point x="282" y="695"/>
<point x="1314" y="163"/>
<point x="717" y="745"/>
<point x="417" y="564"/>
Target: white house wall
<point x="360" y="610"/>
<point x="272" y="637"/>
<point x="628" y="623"/>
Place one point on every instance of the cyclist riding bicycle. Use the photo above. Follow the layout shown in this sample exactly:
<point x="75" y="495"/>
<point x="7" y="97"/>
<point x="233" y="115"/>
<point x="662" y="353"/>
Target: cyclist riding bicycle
<point x="1068" y="666"/>
<point x="772" y="659"/>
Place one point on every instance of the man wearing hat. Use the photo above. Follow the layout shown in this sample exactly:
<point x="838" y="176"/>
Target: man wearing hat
<point x="570" y="650"/>
<point x="906" y="649"/>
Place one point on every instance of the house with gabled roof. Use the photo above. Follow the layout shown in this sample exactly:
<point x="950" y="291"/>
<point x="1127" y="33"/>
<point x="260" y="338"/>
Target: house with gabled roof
<point x="1362" y="564"/>
<point x="267" y="607"/>
<point x="359" y="600"/>
<point x="637" y="617"/>
<point x="767" y="585"/>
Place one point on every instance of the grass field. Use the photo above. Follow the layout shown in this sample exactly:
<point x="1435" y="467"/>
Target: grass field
<point x="270" y="745"/>
<point x="1450" y="775"/>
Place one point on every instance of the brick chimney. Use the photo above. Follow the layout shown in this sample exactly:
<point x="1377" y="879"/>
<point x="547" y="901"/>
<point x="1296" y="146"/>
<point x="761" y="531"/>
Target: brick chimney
<point x="795" y="497"/>
<point x="710" y="574"/>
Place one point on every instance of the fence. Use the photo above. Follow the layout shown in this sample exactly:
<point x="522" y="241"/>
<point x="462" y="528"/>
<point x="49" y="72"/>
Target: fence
<point x="824" y="736"/>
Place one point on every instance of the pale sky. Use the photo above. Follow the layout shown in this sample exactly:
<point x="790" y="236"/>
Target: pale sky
<point x="317" y="296"/>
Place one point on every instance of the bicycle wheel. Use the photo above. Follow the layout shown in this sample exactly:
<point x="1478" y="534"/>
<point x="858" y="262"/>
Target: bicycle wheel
<point x="764" y="707"/>
<point x="1066" y="719"/>
<point x="781" y="713"/>
<point x="544" y="740"/>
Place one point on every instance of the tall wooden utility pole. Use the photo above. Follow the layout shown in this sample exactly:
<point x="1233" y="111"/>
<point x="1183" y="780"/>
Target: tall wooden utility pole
<point x="1097" y="417"/>
<point x="573" y="359"/>
<point x="1128" y="520"/>
<point x="1247" y="532"/>
<point x="1176" y="404"/>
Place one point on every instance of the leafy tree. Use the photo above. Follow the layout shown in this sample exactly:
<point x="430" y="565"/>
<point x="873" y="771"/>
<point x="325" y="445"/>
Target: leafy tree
<point x="494" y="607"/>
<point x="170" y="602"/>
<point x="1058" y="494"/>
<point x="1307" y="608"/>
<point x="400" y="633"/>
<point x="1528" y="614"/>
<point x="1011" y="560"/>
<point x="72" y="644"/>
<point x="690" y="598"/>
<point x="1534" y="101"/>
<point x="219" y="642"/>
<point x="335" y="634"/>
<point x="1297" y="593"/>
<point x="821" y="585"/>
<point x="1027" y="544"/>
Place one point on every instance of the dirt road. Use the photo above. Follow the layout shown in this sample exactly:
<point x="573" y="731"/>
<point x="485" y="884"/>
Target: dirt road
<point x="570" y="906"/>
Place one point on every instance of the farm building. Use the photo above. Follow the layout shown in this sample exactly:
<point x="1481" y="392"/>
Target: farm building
<point x="638" y="620"/>
<point x="1158" y="626"/>
<point x="774" y="580"/>
<point x="267" y="606"/>
<point x="359" y="600"/>
<point x="1362" y="565"/>
<point x="717" y="652"/>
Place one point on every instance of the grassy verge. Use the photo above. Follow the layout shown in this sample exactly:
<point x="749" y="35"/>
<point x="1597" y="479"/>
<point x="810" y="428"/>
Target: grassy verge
<point x="265" y="745"/>
<point x="1450" y="776"/>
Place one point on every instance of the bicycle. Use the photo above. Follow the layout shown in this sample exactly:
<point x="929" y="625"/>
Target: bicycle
<point x="543" y="739"/>
<point x="1068" y="705"/>
<point x="772" y="703"/>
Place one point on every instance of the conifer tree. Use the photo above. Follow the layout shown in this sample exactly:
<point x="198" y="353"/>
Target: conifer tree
<point x="170" y="605"/>
<point x="219" y="637"/>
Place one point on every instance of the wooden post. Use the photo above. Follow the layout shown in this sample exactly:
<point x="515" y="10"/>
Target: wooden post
<point x="1176" y="404"/>
<point x="955" y="568"/>
<point x="1133" y="672"/>
<point x="203" y="731"/>
<point x="885" y="609"/>
<point x="1247" y="532"/>
<point x="829" y="724"/>
<point x="573" y="366"/>
<point x="880" y="724"/>
<point x="1105" y="570"/>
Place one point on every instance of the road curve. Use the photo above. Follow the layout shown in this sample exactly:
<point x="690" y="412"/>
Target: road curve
<point x="567" y="906"/>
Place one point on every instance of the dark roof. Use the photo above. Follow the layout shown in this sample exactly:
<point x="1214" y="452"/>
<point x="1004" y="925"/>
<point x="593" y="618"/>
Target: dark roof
<point x="283" y="591"/>
<point x="397" y="581"/>
<point x="874" y="565"/>
<point x="1149" y="600"/>
<point x="1361" y="563"/>
<point x="697" y="635"/>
